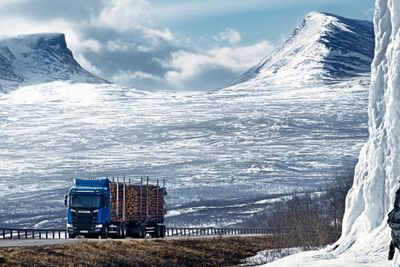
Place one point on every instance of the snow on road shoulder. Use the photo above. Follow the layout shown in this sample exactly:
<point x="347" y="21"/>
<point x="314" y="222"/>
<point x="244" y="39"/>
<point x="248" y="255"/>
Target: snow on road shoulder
<point x="269" y="255"/>
<point x="328" y="259"/>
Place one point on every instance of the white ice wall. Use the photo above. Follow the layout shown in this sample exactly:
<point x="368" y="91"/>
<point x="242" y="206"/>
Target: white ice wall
<point x="378" y="171"/>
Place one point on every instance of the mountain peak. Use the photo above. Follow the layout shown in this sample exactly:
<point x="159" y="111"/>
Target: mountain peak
<point x="38" y="58"/>
<point x="324" y="47"/>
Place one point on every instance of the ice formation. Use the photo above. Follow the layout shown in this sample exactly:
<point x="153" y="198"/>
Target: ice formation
<point x="378" y="171"/>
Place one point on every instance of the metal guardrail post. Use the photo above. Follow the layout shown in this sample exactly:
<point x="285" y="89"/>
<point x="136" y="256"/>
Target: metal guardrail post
<point x="11" y="233"/>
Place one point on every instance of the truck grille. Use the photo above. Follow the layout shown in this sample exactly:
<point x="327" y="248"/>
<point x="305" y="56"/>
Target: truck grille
<point x="85" y="221"/>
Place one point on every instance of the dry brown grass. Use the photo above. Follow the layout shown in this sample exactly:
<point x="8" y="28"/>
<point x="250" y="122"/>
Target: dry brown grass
<point x="180" y="252"/>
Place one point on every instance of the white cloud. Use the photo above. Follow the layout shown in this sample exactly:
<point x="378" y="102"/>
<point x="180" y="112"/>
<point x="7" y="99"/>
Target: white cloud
<point x="91" y="44"/>
<point x="87" y="65"/>
<point x="7" y="2"/>
<point x="186" y="66"/>
<point x="165" y="34"/>
<point x="129" y="76"/>
<point x="123" y="15"/>
<point x="114" y="46"/>
<point x="116" y="40"/>
<point x="230" y="35"/>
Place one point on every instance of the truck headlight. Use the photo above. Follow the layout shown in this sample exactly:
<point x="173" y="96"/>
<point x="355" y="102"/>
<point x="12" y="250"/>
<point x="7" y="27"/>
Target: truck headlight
<point x="99" y="226"/>
<point x="69" y="225"/>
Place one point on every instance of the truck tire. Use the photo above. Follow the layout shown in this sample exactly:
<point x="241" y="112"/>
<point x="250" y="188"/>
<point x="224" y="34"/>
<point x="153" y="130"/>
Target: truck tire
<point x="154" y="234"/>
<point x="162" y="231"/>
<point x="71" y="236"/>
<point x="157" y="232"/>
<point x="104" y="234"/>
<point x="122" y="231"/>
<point x="142" y="233"/>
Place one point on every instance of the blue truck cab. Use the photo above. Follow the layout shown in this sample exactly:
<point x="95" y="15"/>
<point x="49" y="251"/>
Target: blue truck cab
<point x="104" y="208"/>
<point x="88" y="203"/>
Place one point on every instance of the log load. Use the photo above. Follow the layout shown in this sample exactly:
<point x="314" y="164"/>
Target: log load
<point x="143" y="203"/>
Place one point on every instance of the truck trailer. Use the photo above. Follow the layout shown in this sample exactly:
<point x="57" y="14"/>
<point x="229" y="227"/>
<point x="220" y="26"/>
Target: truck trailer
<point x="116" y="209"/>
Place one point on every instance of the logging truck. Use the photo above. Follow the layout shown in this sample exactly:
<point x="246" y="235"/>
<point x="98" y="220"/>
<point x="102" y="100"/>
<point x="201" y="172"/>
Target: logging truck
<point x="116" y="209"/>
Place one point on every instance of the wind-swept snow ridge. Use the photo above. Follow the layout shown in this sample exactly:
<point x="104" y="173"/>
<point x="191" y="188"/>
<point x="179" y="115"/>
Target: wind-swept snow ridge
<point x="39" y="58"/>
<point x="323" y="47"/>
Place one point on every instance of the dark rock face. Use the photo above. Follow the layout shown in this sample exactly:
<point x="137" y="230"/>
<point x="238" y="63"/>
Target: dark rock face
<point x="39" y="58"/>
<point x="350" y="51"/>
<point x="6" y="70"/>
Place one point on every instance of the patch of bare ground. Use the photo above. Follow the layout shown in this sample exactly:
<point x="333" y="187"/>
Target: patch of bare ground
<point x="179" y="252"/>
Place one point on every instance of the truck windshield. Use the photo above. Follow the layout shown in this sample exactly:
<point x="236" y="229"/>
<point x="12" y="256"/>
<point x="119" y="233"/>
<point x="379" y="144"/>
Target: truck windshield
<point x="85" y="201"/>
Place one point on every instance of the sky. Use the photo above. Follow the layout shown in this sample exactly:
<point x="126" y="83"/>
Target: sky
<point x="170" y="45"/>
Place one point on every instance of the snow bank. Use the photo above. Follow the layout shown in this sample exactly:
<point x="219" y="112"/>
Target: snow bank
<point x="366" y="236"/>
<point x="377" y="173"/>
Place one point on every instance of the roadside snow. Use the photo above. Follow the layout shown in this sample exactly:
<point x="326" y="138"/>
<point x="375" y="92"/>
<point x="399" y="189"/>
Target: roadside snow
<point x="269" y="255"/>
<point x="326" y="259"/>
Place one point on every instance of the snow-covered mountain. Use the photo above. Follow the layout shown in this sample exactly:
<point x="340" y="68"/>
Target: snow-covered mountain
<point x="39" y="58"/>
<point x="366" y="235"/>
<point x="323" y="47"/>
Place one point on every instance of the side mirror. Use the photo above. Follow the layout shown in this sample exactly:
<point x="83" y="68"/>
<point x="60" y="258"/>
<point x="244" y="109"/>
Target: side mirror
<point x="66" y="200"/>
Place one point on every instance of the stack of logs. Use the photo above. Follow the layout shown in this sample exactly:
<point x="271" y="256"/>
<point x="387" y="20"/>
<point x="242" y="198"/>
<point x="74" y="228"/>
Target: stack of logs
<point x="143" y="202"/>
<point x="113" y="200"/>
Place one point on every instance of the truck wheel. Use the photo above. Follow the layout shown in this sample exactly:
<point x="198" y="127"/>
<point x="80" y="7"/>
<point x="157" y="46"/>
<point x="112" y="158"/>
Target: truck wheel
<point x="122" y="231"/>
<point x="157" y="232"/>
<point x="142" y="232"/>
<point x="71" y="236"/>
<point x="104" y="234"/>
<point x="162" y="231"/>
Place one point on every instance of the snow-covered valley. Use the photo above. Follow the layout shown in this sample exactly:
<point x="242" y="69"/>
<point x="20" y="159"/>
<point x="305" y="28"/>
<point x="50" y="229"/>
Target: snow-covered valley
<point x="223" y="145"/>
<point x="224" y="154"/>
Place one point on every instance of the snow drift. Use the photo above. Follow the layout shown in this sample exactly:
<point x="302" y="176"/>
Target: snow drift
<point x="324" y="47"/>
<point x="39" y="58"/>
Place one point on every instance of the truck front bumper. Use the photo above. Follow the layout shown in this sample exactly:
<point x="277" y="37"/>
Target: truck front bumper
<point x="76" y="230"/>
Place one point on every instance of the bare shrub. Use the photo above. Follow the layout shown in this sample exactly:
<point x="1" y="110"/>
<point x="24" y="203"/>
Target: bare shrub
<point x="308" y="220"/>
